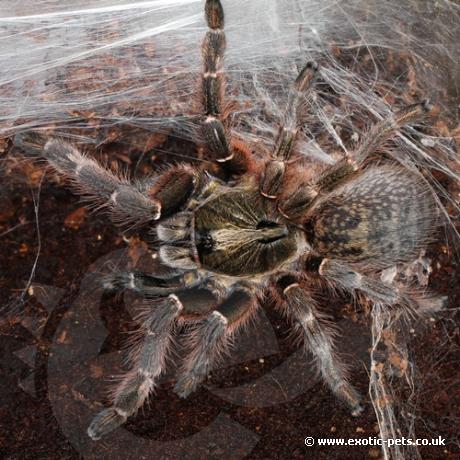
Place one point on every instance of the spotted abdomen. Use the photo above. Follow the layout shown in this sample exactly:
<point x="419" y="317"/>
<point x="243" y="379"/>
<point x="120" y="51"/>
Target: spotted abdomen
<point x="383" y="216"/>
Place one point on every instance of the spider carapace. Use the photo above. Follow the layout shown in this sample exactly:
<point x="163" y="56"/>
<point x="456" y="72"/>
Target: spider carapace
<point x="276" y="224"/>
<point x="234" y="233"/>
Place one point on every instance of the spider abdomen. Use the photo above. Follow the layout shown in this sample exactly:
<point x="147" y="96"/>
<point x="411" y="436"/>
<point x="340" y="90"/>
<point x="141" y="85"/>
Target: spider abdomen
<point x="383" y="216"/>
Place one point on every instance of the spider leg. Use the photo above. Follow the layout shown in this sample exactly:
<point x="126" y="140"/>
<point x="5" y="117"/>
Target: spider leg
<point x="377" y="135"/>
<point x="318" y="335"/>
<point x="272" y="180"/>
<point x="159" y="318"/>
<point x="149" y="363"/>
<point x="351" y="280"/>
<point x="295" y="205"/>
<point x="146" y="284"/>
<point x="211" y="336"/>
<point x="127" y="202"/>
<point x="233" y="155"/>
<point x="378" y="292"/>
<point x="273" y="176"/>
<point x="295" y="109"/>
<point x="213" y="49"/>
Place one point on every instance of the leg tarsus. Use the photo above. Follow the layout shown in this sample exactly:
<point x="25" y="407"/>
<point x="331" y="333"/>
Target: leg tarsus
<point x="214" y="14"/>
<point x="105" y="422"/>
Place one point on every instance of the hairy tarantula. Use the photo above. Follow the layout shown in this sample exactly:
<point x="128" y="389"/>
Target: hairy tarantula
<point x="274" y="227"/>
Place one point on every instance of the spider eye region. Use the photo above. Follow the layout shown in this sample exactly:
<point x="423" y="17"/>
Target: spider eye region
<point x="204" y="242"/>
<point x="234" y="236"/>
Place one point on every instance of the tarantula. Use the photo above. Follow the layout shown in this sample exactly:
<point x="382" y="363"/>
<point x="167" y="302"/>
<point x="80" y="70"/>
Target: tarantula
<point x="273" y="227"/>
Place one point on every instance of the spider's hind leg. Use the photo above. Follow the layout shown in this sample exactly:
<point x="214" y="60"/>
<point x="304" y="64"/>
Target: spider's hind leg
<point x="378" y="292"/>
<point x="150" y="361"/>
<point x="210" y="338"/>
<point x="318" y="338"/>
<point x="158" y="318"/>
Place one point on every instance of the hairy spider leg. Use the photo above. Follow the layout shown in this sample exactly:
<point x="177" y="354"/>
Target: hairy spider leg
<point x="210" y="338"/>
<point x="376" y="291"/>
<point x="213" y="83"/>
<point x="274" y="174"/>
<point x="233" y="155"/>
<point x="317" y="334"/>
<point x="158" y="321"/>
<point x="342" y="275"/>
<point x="376" y="136"/>
<point x="127" y="202"/>
<point x="295" y="111"/>
<point x="158" y="317"/>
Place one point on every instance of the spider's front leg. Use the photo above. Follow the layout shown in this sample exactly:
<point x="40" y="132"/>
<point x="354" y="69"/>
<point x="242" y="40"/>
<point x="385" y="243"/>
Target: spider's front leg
<point x="317" y="333"/>
<point x="128" y="203"/>
<point x="213" y="84"/>
<point x="210" y="338"/>
<point x="233" y="155"/>
<point x="273" y="175"/>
